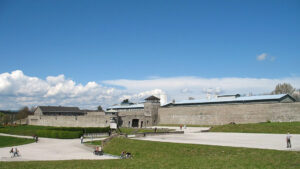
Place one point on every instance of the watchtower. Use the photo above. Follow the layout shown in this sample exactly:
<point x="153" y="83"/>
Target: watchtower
<point x="151" y="107"/>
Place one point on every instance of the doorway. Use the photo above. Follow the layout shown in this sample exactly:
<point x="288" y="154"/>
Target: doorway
<point x="135" y="122"/>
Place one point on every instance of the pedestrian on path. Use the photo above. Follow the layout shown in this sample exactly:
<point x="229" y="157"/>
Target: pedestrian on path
<point x="288" y="140"/>
<point x="12" y="152"/>
<point x="36" y="138"/>
<point x="81" y="139"/>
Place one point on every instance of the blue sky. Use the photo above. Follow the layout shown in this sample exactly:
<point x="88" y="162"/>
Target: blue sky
<point x="105" y="41"/>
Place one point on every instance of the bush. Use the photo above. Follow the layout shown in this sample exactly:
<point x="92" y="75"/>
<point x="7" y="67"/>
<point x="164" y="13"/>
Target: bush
<point x="52" y="132"/>
<point x="83" y="130"/>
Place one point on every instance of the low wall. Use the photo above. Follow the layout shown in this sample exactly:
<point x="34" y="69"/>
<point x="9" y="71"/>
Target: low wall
<point x="70" y="121"/>
<point x="219" y="114"/>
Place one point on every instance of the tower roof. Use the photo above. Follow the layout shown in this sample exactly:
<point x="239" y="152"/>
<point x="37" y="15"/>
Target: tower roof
<point x="152" y="98"/>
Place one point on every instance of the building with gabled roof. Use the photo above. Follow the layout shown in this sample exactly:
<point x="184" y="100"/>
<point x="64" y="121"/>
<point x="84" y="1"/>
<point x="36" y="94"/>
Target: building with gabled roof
<point x="215" y="111"/>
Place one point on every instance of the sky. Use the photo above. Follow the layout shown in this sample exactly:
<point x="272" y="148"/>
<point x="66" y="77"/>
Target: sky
<point x="90" y="53"/>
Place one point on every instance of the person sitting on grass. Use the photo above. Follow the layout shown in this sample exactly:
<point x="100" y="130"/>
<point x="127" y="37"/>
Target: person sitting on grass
<point x="98" y="151"/>
<point x="128" y="155"/>
<point x="123" y="154"/>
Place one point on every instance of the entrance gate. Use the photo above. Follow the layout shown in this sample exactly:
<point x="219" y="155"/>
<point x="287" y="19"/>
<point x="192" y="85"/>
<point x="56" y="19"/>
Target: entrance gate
<point x="135" y="122"/>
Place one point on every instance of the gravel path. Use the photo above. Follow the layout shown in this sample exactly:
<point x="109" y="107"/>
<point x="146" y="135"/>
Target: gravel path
<point x="52" y="149"/>
<point x="249" y="140"/>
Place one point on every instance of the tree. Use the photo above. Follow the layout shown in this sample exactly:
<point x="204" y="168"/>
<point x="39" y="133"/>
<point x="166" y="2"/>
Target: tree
<point x="284" y="88"/>
<point x="23" y="113"/>
<point x="191" y="98"/>
<point x="99" y="108"/>
<point x="4" y="118"/>
<point x="125" y="101"/>
<point x="287" y="88"/>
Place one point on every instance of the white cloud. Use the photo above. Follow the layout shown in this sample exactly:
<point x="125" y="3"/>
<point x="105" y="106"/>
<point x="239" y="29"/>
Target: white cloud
<point x="17" y="89"/>
<point x="183" y="87"/>
<point x="262" y="57"/>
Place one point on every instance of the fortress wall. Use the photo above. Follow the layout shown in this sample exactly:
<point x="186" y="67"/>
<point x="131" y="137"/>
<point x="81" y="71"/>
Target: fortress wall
<point x="70" y="121"/>
<point x="127" y="116"/>
<point x="218" y="114"/>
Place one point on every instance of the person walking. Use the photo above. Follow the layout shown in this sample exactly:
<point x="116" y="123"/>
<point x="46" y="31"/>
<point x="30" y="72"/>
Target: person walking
<point x="288" y="140"/>
<point x="81" y="139"/>
<point x="12" y="152"/>
<point x="36" y="138"/>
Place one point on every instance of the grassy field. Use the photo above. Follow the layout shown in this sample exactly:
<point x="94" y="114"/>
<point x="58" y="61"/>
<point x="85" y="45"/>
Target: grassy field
<point x="148" y="154"/>
<point x="274" y="127"/>
<point x="50" y="132"/>
<point x="6" y="141"/>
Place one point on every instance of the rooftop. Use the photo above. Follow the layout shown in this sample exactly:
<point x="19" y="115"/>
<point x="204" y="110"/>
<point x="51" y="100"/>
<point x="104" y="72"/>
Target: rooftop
<point x="236" y="99"/>
<point x="59" y="109"/>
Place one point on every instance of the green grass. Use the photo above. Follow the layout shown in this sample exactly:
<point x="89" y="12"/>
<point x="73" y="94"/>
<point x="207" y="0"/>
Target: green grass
<point x="148" y="154"/>
<point x="50" y="132"/>
<point x="98" y="142"/>
<point x="6" y="141"/>
<point x="141" y="130"/>
<point x="274" y="127"/>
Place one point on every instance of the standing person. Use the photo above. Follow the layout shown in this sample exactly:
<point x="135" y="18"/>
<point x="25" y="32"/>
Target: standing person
<point x="36" y="138"/>
<point x="288" y="140"/>
<point x="16" y="153"/>
<point x="180" y="126"/>
<point x="81" y="139"/>
<point x="155" y="129"/>
<point x="12" y="152"/>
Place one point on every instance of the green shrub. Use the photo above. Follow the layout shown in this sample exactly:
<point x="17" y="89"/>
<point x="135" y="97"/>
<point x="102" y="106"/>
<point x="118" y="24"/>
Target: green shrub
<point x="82" y="129"/>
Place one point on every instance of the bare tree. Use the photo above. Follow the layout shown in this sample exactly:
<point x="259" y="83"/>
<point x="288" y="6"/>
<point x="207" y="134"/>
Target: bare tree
<point x="284" y="88"/>
<point x="287" y="88"/>
<point x="23" y="113"/>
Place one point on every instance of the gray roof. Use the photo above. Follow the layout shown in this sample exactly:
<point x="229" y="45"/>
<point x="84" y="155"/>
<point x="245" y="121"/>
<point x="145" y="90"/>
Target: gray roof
<point x="152" y="98"/>
<point x="59" y="109"/>
<point x="234" y="100"/>
<point x="133" y="106"/>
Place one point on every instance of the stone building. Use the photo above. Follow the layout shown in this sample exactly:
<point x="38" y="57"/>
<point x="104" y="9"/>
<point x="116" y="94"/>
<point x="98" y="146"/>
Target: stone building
<point x="215" y="111"/>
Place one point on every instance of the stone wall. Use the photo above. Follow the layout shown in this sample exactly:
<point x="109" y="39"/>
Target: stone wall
<point x="70" y="121"/>
<point x="126" y="118"/>
<point x="218" y="114"/>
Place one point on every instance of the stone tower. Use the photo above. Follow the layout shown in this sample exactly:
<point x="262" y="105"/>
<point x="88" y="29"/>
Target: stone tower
<point x="151" y="107"/>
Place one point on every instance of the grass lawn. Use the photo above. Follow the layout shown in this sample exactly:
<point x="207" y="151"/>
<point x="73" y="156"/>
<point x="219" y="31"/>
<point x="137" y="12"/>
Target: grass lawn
<point x="147" y="154"/>
<point x="6" y="141"/>
<point x="274" y="127"/>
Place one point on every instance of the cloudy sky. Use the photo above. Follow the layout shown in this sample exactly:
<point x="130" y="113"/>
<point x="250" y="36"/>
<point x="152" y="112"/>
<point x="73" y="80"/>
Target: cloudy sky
<point x="90" y="53"/>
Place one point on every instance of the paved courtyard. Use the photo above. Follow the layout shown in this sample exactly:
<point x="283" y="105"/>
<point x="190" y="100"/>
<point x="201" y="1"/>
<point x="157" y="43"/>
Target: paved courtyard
<point x="193" y="135"/>
<point x="52" y="149"/>
<point x="71" y="149"/>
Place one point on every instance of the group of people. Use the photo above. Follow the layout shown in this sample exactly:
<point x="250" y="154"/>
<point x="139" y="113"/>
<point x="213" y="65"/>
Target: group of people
<point x="14" y="152"/>
<point x="98" y="151"/>
<point x="125" y="154"/>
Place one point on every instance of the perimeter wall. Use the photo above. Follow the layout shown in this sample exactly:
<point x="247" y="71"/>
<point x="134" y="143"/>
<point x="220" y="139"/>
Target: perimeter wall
<point x="219" y="114"/>
<point x="70" y="121"/>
